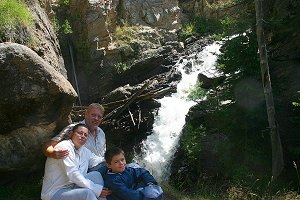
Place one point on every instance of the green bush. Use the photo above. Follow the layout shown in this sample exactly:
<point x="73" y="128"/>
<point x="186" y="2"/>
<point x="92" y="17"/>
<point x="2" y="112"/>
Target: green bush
<point x="67" y="29"/>
<point x="127" y="34"/>
<point x="191" y="142"/>
<point x="64" y="2"/>
<point x="62" y="20"/>
<point x="120" y="67"/>
<point x="187" y="31"/>
<point x="199" y="26"/>
<point x="297" y="103"/>
<point x="196" y="93"/>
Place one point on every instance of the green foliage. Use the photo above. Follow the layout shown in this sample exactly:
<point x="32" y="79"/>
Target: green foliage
<point x="62" y="28"/>
<point x="196" y="93"/>
<point x="297" y="103"/>
<point x="56" y="25"/>
<point x="228" y="25"/>
<point x="187" y="31"/>
<point x="127" y="34"/>
<point x="191" y="142"/>
<point x="13" y="13"/>
<point x="242" y="19"/>
<point x="239" y="57"/>
<point x="61" y="21"/>
<point x="199" y="26"/>
<point x="205" y="26"/>
<point x="64" y="2"/>
<point x="66" y="27"/>
<point x="120" y="67"/>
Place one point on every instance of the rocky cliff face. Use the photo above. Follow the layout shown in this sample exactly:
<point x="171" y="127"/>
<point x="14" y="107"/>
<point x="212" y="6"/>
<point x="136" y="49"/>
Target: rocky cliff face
<point x="44" y="38"/>
<point x="98" y="51"/>
<point x="154" y="13"/>
<point x="204" y="8"/>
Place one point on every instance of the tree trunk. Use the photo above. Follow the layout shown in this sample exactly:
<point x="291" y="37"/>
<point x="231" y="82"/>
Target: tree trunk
<point x="277" y="155"/>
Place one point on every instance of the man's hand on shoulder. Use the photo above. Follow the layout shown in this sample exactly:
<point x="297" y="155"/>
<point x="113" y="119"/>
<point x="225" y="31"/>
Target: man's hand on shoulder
<point x="51" y="152"/>
<point x="60" y="153"/>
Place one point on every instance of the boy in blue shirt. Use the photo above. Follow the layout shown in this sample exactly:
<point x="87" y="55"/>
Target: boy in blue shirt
<point x="128" y="183"/>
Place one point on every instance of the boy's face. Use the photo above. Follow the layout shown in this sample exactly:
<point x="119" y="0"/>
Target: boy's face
<point x="118" y="163"/>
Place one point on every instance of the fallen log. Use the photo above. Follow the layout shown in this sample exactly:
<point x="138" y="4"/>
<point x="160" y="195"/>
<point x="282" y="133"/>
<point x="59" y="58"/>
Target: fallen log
<point x="117" y="107"/>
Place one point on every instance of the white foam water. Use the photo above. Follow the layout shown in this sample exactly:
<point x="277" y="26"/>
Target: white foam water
<point x="158" y="149"/>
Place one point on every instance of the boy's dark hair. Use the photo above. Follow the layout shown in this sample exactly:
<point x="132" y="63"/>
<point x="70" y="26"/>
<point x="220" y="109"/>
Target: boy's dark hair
<point x="77" y="126"/>
<point x="112" y="152"/>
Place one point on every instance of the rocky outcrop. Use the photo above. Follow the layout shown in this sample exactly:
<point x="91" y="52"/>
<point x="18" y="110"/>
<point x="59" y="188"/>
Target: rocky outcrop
<point x="43" y="36"/>
<point x="207" y="82"/>
<point x="205" y="8"/>
<point x="154" y="13"/>
<point x="98" y="53"/>
<point x="35" y="100"/>
<point x="91" y="22"/>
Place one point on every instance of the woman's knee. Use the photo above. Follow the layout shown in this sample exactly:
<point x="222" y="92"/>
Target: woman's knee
<point x="96" y="177"/>
<point x="90" y="195"/>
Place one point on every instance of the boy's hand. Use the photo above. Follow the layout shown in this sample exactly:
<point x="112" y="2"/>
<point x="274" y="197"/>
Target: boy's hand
<point x="105" y="192"/>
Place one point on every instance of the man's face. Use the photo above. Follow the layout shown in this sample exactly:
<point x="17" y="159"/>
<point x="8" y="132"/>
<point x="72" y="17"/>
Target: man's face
<point x="118" y="163"/>
<point x="93" y="118"/>
<point x="79" y="136"/>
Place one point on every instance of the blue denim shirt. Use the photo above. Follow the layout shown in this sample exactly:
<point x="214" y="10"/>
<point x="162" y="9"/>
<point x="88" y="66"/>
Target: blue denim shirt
<point x="127" y="185"/>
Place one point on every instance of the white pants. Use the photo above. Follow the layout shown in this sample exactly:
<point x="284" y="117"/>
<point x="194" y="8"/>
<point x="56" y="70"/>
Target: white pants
<point x="79" y="193"/>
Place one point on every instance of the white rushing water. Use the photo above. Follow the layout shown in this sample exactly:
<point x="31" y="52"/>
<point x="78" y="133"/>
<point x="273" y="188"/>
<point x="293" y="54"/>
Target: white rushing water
<point x="159" y="148"/>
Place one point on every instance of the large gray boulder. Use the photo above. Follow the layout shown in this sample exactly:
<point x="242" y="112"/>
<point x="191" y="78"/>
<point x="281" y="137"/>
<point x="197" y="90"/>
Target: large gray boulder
<point x="35" y="100"/>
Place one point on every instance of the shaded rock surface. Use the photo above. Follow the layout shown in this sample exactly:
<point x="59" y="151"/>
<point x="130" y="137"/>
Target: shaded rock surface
<point x="44" y="38"/>
<point x="35" y="100"/>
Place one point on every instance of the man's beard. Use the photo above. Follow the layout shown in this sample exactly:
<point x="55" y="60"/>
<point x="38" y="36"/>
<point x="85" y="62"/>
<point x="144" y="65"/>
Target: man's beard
<point x="94" y="127"/>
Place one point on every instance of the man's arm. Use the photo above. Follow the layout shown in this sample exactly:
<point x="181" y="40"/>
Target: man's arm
<point x="51" y="152"/>
<point x="49" y="149"/>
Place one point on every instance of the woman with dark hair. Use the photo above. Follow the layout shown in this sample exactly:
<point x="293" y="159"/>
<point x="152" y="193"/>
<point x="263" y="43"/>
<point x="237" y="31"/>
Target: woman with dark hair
<point x="67" y="178"/>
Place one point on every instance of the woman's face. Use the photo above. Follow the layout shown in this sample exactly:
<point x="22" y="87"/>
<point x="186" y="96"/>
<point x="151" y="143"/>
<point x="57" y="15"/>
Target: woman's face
<point x="79" y="136"/>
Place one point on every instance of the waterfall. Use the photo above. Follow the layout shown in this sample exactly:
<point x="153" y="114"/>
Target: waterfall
<point x="74" y="72"/>
<point x="159" y="147"/>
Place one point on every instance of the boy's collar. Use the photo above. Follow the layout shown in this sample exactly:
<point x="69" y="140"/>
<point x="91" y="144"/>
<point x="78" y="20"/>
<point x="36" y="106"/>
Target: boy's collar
<point x="111" y="172"/>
